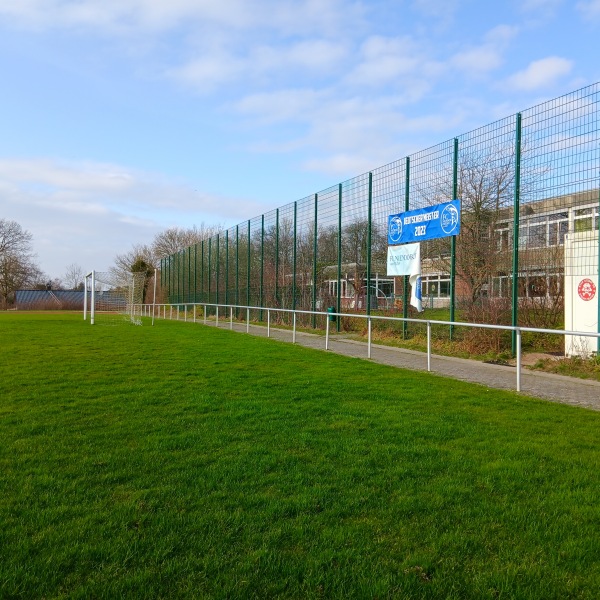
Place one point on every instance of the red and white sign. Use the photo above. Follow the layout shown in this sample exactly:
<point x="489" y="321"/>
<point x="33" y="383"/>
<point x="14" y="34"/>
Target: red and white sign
<point x="586" y="289"/>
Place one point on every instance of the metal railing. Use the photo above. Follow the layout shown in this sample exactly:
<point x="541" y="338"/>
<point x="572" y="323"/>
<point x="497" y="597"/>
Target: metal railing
<point x="150" y="310"/>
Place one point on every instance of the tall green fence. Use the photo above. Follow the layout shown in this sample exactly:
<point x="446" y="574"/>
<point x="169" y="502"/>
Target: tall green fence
<point x="525" y="182"/>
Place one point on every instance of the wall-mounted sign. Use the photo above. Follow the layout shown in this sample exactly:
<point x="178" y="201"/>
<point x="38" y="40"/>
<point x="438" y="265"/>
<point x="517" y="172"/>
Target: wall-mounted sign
<point x="441" y="220"/>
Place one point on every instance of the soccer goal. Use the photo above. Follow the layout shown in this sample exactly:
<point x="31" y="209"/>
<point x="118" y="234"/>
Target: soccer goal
<point x="114" y="298"/>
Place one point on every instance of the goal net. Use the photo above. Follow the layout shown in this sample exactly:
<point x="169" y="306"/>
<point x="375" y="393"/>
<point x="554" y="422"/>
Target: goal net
<point x="114" y="298"/>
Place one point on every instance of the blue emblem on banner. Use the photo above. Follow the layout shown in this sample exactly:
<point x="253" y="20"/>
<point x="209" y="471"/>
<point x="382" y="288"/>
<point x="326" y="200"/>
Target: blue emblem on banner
<point x="441" y="220"/>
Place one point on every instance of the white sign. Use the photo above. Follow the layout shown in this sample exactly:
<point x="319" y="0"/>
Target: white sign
<point x="406" y="260"/>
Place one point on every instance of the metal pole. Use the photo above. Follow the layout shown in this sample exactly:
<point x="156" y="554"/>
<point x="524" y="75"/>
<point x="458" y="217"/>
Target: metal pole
<point x="369" y="227"/>
<point x="314" y="282"/>
<point x="453" y="241"/>
<point x="598" y="316"/>
<point x="294" y="257"/>
<point x="406" y="278"/>
<point x="248" y="270"/>
<point x="218" y="268"/>
<point x="231" y="317"/>
<point x="519" y="340"/>
<point x="93" y="299"/>
<point x="262" y="264"/>
<point x="217" y="315"/>
<point x="209" y="271"/>
<point x="369" y="330"/>
<point x="185" y="314"/>
<point x="154" y="298"/>
<point x="327" y="332"/>
<point x="294" y="329"/>
<point x="429" y="345"/>
<point x="247" y="320"/>
<point x="268" y="323"/>
<point x="339" y="253"/>
<point x="237" y="266"/>
<point x="277" y="257"/>
<point x="515" y="262"/>
<point x="227" y="266"/>
<point x="85" y="300"/>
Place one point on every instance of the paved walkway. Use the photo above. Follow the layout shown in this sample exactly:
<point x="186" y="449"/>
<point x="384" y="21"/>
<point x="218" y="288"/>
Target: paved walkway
<point x="557" y="388"/>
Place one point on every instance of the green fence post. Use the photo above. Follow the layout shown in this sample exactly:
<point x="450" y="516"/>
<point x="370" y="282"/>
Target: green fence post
<point x="339" y="253"/>
<point x="406" y="278"/>
<point x="218" y="269"/>
<point x="189" y="273"/>
<point x="277" y="257"/>
<point x="248" y="269"/>
<point x="237" y="265"/>
<point x="453" y="241"/>
<point x="314" y="286"/>
<point x="262" y="264"/>
<point x="294" y="256"/>
<point x="202" y="271"/>
<point x="227" y="266"/>
<point x="515" y="262"/>
<point x="209" y="269"/>
<point x="369" y="227"/>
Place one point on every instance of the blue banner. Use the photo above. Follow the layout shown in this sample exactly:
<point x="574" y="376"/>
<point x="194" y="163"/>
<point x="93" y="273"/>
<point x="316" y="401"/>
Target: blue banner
<point x="441" y="220"/>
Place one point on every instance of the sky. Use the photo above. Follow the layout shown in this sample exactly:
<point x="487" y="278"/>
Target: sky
<point x="122" y="118"/>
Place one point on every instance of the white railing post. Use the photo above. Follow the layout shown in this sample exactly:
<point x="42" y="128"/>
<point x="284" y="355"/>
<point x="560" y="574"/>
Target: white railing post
<point x="369" y="337"/>
<point x="93" y="299"/>
<point x="231" y="317"/>
<point x="327" y="332"/>
<point x="205" y="309"/>
<point x="294" y="329"/>
<point x="518" y="359"/>
<point x="217" y="316"/>
<point x="247" y="320"/>
<point x="428" y="345"/>
<point x="85" y="288"/>
<point x="268" y="323"/>
<point x="185" y="313"/>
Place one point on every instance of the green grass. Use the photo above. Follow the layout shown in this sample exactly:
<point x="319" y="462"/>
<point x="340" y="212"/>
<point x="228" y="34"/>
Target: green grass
<point x="188" y="462"/>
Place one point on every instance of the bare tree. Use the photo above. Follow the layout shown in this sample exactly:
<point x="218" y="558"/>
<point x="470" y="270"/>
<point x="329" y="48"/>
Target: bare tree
<point x="17" y="265"/>
<point x="174" y="239"/>
<point x="73" y="277"/>
<point x="168" y="242"/>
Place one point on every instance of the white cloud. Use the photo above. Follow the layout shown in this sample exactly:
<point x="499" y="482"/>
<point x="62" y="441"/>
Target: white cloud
<point x="545" y="6"/>
<point x="74" y="209"/>
<point x="215" y="66"/>
<point x="489" y="55"/>
<point x="383" y="60"/>
<point x="589" y="9"/>
<point x="118" y="16"/>
<point x="541" y="73"/>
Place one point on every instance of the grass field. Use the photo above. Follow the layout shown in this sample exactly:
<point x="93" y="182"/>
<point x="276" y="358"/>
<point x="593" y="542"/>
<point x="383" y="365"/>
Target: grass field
<point x="188" y="462"/>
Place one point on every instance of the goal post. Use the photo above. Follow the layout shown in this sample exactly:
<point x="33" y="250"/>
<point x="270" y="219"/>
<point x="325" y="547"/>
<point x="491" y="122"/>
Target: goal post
<point x="114" y="297"/>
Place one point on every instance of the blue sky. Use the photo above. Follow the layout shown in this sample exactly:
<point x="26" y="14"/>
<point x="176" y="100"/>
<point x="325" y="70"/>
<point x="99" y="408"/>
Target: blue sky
<point x="120" y="118"/>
